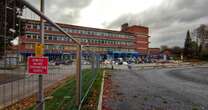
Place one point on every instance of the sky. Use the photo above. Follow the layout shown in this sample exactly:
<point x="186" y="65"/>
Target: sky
<point x="168" y="20"/>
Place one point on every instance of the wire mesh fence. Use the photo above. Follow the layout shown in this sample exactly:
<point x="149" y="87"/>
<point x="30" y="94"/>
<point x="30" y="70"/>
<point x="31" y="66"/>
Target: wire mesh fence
<point x="19" y="89"/>
<point x="16" y="84"/>
<point x="64" y="97"/>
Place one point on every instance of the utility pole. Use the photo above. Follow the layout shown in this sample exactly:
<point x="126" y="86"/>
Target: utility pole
<point x="40" y="101"/>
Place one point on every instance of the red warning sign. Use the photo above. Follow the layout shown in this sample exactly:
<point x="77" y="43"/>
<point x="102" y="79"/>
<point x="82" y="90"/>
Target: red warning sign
<point x="37" y="65"/>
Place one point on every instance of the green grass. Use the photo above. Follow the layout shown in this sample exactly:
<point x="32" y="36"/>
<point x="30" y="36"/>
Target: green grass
<point x="64" y="97"/>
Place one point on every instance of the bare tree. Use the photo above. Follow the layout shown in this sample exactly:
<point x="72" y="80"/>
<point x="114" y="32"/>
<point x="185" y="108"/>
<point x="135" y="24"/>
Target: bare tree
<point x="202" y="36"/>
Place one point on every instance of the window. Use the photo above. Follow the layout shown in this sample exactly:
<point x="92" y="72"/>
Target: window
<point x="29" y="26"/>
<point x="59" y="38"/>
<point x="38" y="37"/>
<point x="50" y="37"/>
<point x="54" y="29"/>
<point x="46" y="37"/>
<point x="50" y="47"/>
<point x="46" y="47"/>
<point x="70" y="30"/>
<point x="66" y="38"/>
<point x="79" y="31"/>
<point x="29" y="36"/>
<point x="29" y="46"/>
<point x="98" y="33"/>
<point x="65" y="29"/>
<point x="50" y="28"/>
<point x="54" y="38"/>
<point x="38" y="27"/>
<point x="63" y="38"/>
<point x="46" y="27"/>
<point x="34" y="26"/>
<point x="34" y="36"/>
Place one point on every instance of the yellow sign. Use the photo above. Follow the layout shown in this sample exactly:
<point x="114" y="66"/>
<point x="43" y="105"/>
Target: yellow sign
<point x="39" y="50"/>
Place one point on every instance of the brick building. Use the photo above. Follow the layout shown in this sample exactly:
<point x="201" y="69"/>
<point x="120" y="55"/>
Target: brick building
<point x="131" y="42"/>
<point x="141" y="34"/>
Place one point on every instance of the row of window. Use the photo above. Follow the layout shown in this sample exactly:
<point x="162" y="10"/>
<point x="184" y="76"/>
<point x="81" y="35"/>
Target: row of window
<point x="102" y="41"/>
<point x="49" y="37"/>
<point x="71" y="48"/>
<point x="52" y="47"/>
<point x="83" y="32"/>
<point x="83" y="40"/>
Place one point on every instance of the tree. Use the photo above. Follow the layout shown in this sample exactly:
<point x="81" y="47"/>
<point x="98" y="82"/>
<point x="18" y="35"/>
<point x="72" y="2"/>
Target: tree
<point x="202" y="36"/>
<point x="163" y="47"/>
<point x="176" y="50"/>
<point x="188" y="45"/>
<point x="194" y="48"/>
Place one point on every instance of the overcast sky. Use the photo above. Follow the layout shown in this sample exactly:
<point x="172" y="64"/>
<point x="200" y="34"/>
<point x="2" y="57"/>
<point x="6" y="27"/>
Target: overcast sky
<point x="168" y="20"/>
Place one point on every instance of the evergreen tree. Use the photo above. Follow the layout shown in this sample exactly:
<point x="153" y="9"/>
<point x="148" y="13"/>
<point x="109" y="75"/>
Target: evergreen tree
<point x="188" y="45"/>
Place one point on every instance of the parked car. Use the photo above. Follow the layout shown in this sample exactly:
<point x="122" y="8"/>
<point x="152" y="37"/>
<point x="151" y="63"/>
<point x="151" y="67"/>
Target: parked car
<point x="59" y="62"/>
<point x="84" y="62"/>
<point x="125" y="63"/>
<point x="68" y="62"/>
<point x="120" y="63"/>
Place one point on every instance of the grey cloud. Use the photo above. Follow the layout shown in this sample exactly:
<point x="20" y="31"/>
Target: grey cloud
<point x="73" y="4"/>
<point x="67" y="11"/>
<point x="172" y="16"/>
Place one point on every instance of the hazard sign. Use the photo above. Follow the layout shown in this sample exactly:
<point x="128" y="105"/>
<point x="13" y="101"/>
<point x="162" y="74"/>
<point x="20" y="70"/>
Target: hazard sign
<point x="39" y="50"/>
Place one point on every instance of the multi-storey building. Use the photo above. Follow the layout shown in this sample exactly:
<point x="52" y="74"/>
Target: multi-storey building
<point x="141" y="34"/>
<point x="108" y="43"/>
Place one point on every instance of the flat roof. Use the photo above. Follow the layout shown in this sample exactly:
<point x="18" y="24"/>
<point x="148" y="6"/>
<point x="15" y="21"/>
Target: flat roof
<point x="84" y="27"/>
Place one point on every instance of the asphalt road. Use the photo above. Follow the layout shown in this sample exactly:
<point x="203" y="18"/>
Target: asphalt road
<point x="181" y="88"/>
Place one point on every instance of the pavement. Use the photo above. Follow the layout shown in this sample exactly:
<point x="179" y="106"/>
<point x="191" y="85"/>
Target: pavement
<point x="183" y="87"/>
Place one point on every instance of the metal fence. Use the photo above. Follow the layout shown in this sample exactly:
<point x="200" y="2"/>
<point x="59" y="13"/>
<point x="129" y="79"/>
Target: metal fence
<point x="16" y="84"/>
<point x="18" y="89"/>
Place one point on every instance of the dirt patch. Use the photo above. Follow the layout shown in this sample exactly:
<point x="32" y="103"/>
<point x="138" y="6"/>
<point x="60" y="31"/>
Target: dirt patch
<point x="92" y="100"/>
<point x="107" y="91"/>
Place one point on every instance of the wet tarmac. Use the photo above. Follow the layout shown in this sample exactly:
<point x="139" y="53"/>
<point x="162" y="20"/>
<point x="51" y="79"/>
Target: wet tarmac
<point x="160" y="89"/>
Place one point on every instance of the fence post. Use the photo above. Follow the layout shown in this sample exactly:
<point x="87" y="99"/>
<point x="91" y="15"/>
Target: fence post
<point x="93" y="62"/>
<point x="78" y="76"/>
<point x="40" y="101"/>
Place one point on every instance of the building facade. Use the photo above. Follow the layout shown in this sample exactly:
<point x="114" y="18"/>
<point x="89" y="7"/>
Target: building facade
<point x="141" y="34"/>
<point x="108" y="43"/>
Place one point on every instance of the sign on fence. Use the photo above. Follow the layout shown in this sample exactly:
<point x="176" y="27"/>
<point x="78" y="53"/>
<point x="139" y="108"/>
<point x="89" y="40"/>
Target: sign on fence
<point x="37" y="65"/>
<point x="39" y="50"/>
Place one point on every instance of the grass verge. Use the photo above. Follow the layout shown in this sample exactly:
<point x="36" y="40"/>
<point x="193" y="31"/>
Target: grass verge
<point x="63" y="98"/>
